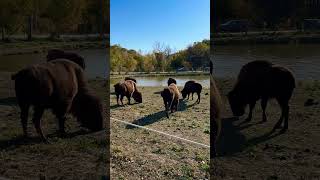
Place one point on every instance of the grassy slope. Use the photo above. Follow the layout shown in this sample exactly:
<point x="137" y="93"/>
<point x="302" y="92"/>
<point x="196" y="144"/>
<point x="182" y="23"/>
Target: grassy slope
<point x="137" y="153"/>
<point x="78" y="156"/>
<point x="247" y="151"/>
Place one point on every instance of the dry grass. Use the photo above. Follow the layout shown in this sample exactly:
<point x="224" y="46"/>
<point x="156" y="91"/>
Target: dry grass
<point x="141" y="154"/>
<point x="249" y="151"/>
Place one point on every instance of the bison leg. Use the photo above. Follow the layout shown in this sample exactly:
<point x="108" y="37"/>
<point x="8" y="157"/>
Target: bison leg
<point x="129" y="99"/>
<point x="264" y="102"/>
<point x="284" y="115"/>
<point x="24" y="118"/>
<point x="38" y="112"/>
<point x="192" y="96"/>
<point x="121" y="99"/>
<point x="198" y="100"/>
<point x="188" y="96"/>
<point x="251" y="105"/>
<point x="117" y="99"/>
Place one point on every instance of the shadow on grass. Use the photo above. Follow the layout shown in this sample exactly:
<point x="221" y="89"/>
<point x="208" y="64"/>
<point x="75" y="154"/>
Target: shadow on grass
<point x="149" y="119"/>
<point x="184" y="106"/>
<point x="18" y="141"/>
<point x="9" y="101"/>
<point x="232" y="141"/>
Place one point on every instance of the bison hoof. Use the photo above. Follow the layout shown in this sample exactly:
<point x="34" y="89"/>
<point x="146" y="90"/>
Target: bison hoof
<point x="283" y="130"/>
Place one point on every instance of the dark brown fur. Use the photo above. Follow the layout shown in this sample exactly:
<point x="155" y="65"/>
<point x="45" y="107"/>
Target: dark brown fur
<point x="215" y="112"/>
<point x="129" y="78"/>
<point x="171" y="80"/>
<point x="58" y="85"/>
<point x="127" y="88"/>
<point x="191" y="87"/>
<point x="262" y="80"/>
<point x="54" y="54"/>
<point x="170" y="96"/>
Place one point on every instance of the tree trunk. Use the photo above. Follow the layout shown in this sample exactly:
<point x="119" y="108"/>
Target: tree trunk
<point x="2" y="33"/>
<point x="30" y="28"/>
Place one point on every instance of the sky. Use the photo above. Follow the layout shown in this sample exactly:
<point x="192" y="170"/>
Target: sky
<point x="139" y="24"/>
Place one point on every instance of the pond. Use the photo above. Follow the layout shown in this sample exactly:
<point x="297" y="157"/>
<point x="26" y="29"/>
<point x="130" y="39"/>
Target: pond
<point x="96" y="62"/>
<point x="162" y="80"/>
<point x="303" y="60"/>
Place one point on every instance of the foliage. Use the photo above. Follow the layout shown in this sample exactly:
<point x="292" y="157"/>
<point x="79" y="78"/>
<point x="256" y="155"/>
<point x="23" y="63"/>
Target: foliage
<point x="162" y="58"/>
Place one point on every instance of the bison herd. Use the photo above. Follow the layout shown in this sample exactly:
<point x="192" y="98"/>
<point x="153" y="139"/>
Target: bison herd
<point x="170" y="95"/>
<point x="60" y="85"/>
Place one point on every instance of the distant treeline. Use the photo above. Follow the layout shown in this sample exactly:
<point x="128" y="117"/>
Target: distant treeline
<point x="53" y="17"/>
<point x="274" y="13"/>
<point x="194" y="57"/>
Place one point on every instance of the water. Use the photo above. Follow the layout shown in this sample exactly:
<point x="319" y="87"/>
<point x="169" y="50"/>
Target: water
<point x="303" y="60"/>
<point x="96" y="61"/>
<point x="162" y="80"/>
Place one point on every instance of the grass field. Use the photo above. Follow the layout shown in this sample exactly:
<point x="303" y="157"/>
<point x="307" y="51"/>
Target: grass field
<point x="140" y="154"/>
<point x="250" y="151"/>
<point x="81" y="155"/>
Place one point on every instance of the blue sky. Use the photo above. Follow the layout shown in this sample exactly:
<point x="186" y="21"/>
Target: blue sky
<point x="138" y="24"/>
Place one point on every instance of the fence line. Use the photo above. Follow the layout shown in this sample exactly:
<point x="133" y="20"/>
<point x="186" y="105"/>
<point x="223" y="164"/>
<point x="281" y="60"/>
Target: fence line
<point x="163" y="133"/>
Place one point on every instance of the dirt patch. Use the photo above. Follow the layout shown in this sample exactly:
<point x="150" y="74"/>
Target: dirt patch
<point x="81" y="155"/>
<point x="251" y="151"/>
<point x="138" y="153"/>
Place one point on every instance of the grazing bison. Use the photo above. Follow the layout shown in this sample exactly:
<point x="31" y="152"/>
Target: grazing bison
<point x="215" y="112"/>
<point x="127" y="88"/>
<point x="54" y="54"/>
<point x="170" y="96"/>
<point x="191" y="87"/>
<point x="58" y="85"/>
<point x="129" y="78"/>
<point x="262" y="80"/>
<point x="171" y="80"/>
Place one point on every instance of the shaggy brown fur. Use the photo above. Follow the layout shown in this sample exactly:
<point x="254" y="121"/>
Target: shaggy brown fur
<point x="191" y="87"/>
<point x="170" y="96"/>
<point x="129" y="89"/>
<point x="215" y="112"/>
<point x="262" y="80"/>
<point x="171" y="80"/>
<point x="59" y="85"/>
<point x="60" y="54"/>
<point x="129" y="78"/>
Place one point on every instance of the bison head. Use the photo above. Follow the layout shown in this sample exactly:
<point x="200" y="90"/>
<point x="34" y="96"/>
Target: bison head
<point x="89" y="111"/>
<point x="137" y="96"/>
<point x="184" y="93"/>
<point x="237" y="103"/>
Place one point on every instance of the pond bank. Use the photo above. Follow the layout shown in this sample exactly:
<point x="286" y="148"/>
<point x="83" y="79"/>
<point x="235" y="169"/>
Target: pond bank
<point x="39" y="46"/>
<point x="266" y="38"/>
<point x="114" y="75"/>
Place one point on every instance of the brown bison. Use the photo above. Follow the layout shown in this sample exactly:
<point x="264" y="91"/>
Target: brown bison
<point x="171" y="80"/>
<point x="129" y="89"/>
<point x="262" y="80"/>
<point x="191" y="87"/>
<point x="130" y="78"/>
<point x="215" y="112"/>
<point x="54" y="54"/>
<point x="58" y="85"/>
<point x="170" y="96"/>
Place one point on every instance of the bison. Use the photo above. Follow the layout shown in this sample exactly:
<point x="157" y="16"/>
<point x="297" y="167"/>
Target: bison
<point x="262" y="80"/>
<point x="171" y="80"/>
<point x="191" y="87"/>
<point x="170" y="96"/>
<point x="60" y="86"/>
<point x="215" y="112"/>
<point x="130" y="78"/>
<point x="129" y="89"/>
<point x="54" y="54"/>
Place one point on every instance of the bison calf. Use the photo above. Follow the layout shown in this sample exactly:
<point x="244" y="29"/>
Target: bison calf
<point x="129" y="89"/>
<point x="262" y="80"/>
<point x="58" y="85"/>
<point x="170" y="96"/>
<point x="54" y="54"/>
<point x="191" y="87"/>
